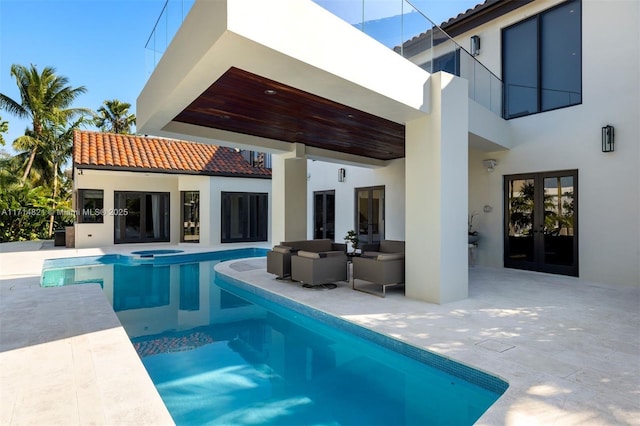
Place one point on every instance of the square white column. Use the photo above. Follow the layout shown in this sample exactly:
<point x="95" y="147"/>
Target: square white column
<point x="437" y="195"/>
<point x="289" y="196"/>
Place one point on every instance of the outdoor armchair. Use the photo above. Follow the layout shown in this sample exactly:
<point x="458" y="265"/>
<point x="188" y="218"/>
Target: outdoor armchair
<point x="319" y="268"/>
<point x="381" y="264"/>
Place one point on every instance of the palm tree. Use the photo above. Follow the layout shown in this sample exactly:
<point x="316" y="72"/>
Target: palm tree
<point x="114" y="117"/>
<point x="59" y="148"/>
<point x="4" y="127"/>
<point x="45" y="99"/>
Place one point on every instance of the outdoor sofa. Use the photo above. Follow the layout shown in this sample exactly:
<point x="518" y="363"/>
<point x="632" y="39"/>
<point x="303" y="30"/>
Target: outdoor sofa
<point x="381" y="263"/>
<point x="279" y="258"/>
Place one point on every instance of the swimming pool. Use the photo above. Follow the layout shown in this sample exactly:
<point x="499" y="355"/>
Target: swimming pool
<point x="223" y="352"/>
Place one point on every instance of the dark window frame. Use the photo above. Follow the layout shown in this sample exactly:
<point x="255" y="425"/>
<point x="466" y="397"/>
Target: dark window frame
<point x="324" y="221"/>
<point x="444" y="63"/>
<point x="93" y="213"/>
<point x="370" y="236"/>
<point x="183" y="238"/>
<point x="255" y="223"/>
<point x="539" y="57"/>
<point x="120" y="213"/>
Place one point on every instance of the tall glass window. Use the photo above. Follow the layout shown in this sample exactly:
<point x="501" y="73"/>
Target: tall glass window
<point x="244" y="217"/>
<point x="190" y="216"/>
<point x="542" y="61"/>
<point x="324" y="215"/>
<point x="141" y="217"/>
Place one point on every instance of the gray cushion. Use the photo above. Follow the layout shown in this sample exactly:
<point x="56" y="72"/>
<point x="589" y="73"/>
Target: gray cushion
<point x="390" y="256"/>
<point x="371" y="253"/>
<point x="391" y="246"/>
<point x="282" y="249"/>
<point x="311" y="254"/>
<point x="309" y="245"/>
<point x="334" y="253"/>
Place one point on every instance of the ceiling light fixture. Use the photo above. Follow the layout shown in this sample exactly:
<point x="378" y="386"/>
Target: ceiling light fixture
<point x="270" y="92"/>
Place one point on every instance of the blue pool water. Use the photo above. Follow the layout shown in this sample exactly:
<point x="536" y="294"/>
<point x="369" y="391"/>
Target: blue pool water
<point x="223" y="352"/>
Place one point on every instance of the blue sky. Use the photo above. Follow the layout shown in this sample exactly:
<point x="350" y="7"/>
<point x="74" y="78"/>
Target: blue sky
<point x="100" y="44"/>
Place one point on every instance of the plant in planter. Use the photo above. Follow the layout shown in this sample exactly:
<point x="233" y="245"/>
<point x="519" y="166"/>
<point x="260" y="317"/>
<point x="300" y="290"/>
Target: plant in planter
<point x="353" y="239"/>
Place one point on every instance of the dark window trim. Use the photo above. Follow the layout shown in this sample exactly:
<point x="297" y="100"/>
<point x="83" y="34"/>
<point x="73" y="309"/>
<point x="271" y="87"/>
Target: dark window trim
<point x="182" y="236"/>
<point x="97" y="215"/>
<point x="538" y="264"/>
<point x="539" y="63"/>
<point x="324" y="194"/>
<point x="383" y="213"/>
<point x="122" y="217"/>
<point x="262" y="227"/>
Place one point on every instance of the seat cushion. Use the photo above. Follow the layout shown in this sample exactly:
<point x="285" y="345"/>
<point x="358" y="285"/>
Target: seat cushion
<point x="311" y="254"/>
<point x="282" y="249"/>
<point x="390" y="256"/>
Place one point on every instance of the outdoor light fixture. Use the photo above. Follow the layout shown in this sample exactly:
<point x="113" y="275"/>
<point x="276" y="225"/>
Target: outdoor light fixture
<point x="475" y="45"/>
<point x="342" y="175"/>
<point x="607" y="138"/>
<point x="489" y="164"/>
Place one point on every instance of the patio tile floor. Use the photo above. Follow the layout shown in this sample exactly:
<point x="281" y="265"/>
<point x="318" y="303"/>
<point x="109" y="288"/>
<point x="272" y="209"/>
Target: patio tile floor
<point x="570" y="349"/>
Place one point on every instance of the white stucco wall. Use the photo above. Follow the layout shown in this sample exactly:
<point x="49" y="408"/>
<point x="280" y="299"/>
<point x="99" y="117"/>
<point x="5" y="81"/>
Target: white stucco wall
<point x="102" y="234"/>
<point x="229" y="184"/>
<point x="570" y="138"/>
<point x="323" y="176"/>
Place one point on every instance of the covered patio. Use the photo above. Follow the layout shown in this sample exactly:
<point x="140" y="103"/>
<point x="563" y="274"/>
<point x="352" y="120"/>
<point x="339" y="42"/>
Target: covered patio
<point x="280" y="83"/>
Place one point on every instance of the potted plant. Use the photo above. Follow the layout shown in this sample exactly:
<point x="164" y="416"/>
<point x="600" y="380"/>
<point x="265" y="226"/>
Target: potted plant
<point x="352" y="238"/>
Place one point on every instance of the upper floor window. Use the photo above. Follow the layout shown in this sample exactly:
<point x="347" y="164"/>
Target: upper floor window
<point x="542" y="61"/>
<point x="448" y="62"/>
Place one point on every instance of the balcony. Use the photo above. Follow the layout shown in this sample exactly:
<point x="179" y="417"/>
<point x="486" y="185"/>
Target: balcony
<point x="403" y="27"/>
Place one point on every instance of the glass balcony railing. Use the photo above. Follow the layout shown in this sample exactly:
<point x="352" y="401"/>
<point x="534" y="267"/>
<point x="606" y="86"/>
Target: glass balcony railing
<point x="171" y="17"/>
<point x="400" y="25"/>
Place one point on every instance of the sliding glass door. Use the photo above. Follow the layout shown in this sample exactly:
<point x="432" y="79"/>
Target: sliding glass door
<point x="541" y="222"/>
<point x="244" y="217"/>
<point x="141" y="217"/>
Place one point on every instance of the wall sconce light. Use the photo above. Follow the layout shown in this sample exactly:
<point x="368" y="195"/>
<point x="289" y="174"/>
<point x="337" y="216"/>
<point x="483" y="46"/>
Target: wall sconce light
<point x="607" y="138"/>
<point x="342" y="175"/>
<point x="475" y="45"/>
<point x="489" y="164"/>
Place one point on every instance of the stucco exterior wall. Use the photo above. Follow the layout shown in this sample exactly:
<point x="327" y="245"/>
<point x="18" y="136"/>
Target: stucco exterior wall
<point x="570" y="138"/>
<point x="229" y="184"/>
<point x="102" y="234"/>
<point x="323" y="176"/>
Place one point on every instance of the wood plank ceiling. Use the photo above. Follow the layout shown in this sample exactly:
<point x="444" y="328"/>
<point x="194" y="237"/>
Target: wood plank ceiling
<point x="247" y="103"/>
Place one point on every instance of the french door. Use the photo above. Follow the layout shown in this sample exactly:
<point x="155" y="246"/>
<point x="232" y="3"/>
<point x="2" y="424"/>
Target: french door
<point x="541" y="222"/>
<point x="324" y="215"/>
<point x="370" y="214"/>
<point x="141" y="217"/>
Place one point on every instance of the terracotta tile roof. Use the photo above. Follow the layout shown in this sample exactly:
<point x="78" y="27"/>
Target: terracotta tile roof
<point x="138" y="153"/>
